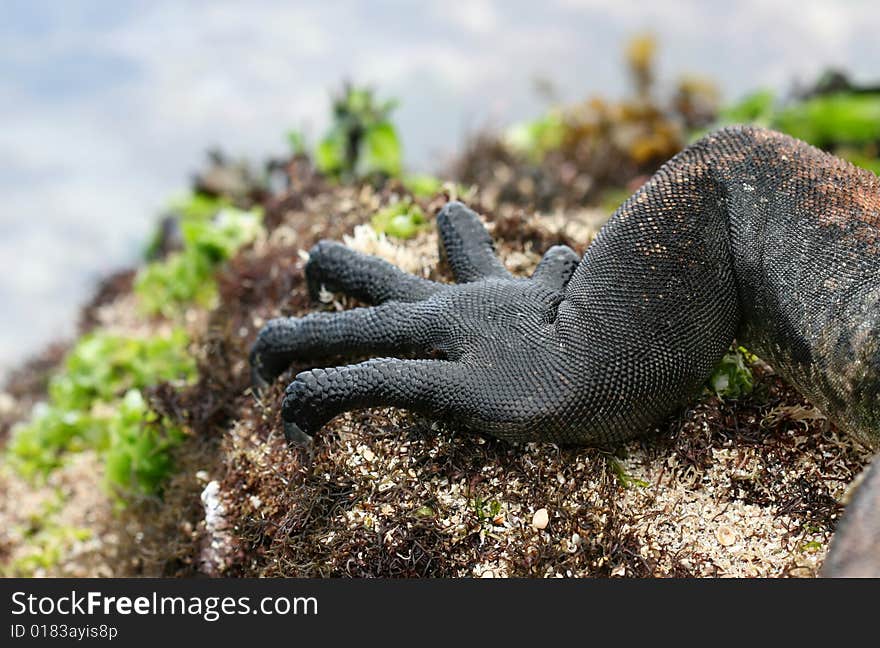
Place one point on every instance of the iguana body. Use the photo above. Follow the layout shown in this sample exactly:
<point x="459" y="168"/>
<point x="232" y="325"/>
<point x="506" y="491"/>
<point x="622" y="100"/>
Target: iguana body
<point x="746" y="234"/>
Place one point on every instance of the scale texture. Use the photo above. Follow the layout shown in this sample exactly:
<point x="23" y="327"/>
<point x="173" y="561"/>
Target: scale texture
<point x="746" y="234"/>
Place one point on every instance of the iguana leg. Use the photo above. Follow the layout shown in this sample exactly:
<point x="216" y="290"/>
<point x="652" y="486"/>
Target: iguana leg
<point x="338" y="268"/>
<point x="745" y="234"/>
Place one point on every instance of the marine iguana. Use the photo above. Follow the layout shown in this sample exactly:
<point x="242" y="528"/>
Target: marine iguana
<point x="747" y="234"/>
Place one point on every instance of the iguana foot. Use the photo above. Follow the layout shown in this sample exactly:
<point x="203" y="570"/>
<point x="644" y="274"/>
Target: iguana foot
<point x="482" y="352"/>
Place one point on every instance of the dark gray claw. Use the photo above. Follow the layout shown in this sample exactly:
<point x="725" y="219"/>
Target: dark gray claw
<point x="258" y="383"/>
<point x="295" y="436"/>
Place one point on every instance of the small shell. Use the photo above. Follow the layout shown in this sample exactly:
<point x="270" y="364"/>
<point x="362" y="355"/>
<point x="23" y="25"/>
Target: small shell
<point x="726" y="536"/>
<point x="541" y="519"/>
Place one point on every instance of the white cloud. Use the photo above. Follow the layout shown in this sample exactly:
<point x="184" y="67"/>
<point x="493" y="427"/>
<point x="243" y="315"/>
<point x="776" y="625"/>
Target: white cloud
<point x="477" y="16"/>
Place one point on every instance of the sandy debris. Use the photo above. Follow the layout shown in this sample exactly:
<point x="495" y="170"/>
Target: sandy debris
<point x="63" y="527"/>
<point x="419" y="257"/>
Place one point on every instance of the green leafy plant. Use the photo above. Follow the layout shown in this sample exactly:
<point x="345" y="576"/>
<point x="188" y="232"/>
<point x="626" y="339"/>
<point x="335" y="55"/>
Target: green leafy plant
<point x="38" y="446"/>
<point x="732" y="377"/>
<point x="839" y="118"/>
<point x="401" y="220"/>
<point x="48" y="541"/>
<point x="139" y="444"/>
<point x="186" y="277"/>
<point x="84" y="394"/>
<point x="102" y="366"/>
<point x="844" y="122"/>
<point x="624" y="478"/>
<point x="297" y="142"/>
<point x="362" y="142"/>
<point x="163" y="287"/>
<point x="425" y="511"/>
<point x="537" y="137"/>
<point x="192" y="206"/>
<point x="423" y="185"/>
<point x="485" y="510"/>
<point x="756" y="108"/>
<point x="810" y="547"/>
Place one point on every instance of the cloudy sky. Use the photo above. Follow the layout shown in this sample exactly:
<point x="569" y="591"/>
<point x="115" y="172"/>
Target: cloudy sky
<point x="107" y="106"/>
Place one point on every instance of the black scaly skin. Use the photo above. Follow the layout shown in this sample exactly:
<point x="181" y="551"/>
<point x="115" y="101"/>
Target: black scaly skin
<point x="747" y="233"/>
